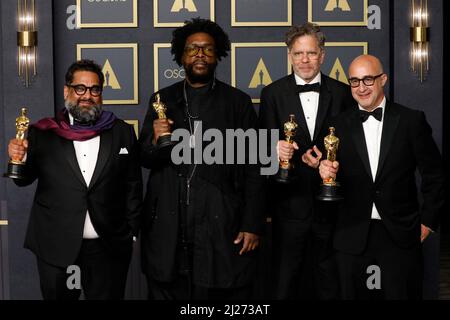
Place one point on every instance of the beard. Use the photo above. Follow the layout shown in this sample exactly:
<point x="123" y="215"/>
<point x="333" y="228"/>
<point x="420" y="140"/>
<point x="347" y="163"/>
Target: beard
<point x="84" y="116"/>
<point x="202" y="78"/>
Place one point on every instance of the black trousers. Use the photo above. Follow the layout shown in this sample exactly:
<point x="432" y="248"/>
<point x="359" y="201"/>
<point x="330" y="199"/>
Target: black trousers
<point x="103" y="275"/>
<point x="400" y="269"/>
<point x="303" y="258"/>
<point x="183" y="289"/>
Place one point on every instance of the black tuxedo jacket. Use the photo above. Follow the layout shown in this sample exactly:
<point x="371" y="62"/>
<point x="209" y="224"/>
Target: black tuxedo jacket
<point x="406" y="146"/>
<point x="113" y="198"/>
<point x="278" y="101"/>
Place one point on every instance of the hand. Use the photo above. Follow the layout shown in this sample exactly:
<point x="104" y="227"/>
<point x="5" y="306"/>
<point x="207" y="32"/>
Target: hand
<point x="161" y="126"/>
<point x="17" y="149"/>
<point x="424" y="232"/>
<point x="310" y="160"/>
<point x="286" y="150"/>
<point x="251" y="241"/>
<point x="328" y="169"/>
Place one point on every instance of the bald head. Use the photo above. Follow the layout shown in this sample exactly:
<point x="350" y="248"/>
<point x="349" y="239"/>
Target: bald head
<point x="367" y="61"/>
<point x="367" y="80"/>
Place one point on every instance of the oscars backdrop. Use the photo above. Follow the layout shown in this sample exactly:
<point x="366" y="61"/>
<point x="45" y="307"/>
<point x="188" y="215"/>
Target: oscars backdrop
<point x="130" y="39"/>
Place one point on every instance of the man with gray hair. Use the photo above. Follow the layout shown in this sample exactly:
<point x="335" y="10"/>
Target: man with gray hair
<point x="300" y="224"/>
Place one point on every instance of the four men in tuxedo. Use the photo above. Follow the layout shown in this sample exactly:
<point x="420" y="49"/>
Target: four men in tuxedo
<point x="300" y="223"/>
<point x="380" y="222"/>
<point x="88" y="198"/>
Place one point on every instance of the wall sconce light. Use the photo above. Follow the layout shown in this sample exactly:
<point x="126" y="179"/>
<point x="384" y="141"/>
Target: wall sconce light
<point x="26" y="40"/>
<point x="420" y="35"/>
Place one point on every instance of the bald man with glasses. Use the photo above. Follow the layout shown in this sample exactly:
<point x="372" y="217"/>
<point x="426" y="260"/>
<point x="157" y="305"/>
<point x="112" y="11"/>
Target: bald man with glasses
<point x="381" y="223"/>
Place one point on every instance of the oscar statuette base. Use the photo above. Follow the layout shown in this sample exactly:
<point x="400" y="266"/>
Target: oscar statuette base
<point x="165" y="141"/>
<point x="284" y="176"/>
<point x="15" y="171"/>
<point x="329" y="192"/>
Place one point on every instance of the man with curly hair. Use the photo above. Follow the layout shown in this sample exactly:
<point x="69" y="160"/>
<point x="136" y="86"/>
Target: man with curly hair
<point x="201" y="222"/>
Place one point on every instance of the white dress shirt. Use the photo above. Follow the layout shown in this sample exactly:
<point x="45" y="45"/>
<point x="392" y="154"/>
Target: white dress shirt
<point x="372" y="133"/>
<point x="310" y="103"/>
<point x="87" y="153"/>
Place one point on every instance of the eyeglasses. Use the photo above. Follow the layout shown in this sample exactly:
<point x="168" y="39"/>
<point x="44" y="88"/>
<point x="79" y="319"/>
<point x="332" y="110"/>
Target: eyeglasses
<point x="311" y="55"/>
<point x="368" y="81"/>
<point x="80" y="89"/>
<point x="193" y="50"/>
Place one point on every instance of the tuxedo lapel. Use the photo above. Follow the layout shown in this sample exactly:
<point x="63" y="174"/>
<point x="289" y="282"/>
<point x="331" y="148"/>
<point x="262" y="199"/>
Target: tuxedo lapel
<point x="324" y="104"/>
<point x="294" y="106"/>
<point x="357" y="133"/>
<point x="390" y="123"/>
<point x="69" y="153"/>
<point x="106" y="139"/>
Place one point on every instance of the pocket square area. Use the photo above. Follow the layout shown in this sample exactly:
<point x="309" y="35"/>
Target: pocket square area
<point x="123" y="151"/>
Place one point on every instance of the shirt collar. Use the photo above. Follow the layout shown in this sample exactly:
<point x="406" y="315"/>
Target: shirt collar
<point x="382" y="105"/>
<point x="317" y="78"/>
<point x="70" y="119"/>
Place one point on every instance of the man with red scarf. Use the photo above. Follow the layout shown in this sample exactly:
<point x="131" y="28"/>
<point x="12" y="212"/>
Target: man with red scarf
<point x="89" y="191"/>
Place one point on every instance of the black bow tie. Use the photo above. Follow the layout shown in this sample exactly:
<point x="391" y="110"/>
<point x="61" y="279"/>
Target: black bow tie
<point x="377" y="114"/>
<point x="308" y="87"/>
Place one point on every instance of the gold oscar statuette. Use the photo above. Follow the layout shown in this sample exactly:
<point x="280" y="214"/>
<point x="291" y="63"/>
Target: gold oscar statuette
<point x="160" y="108"/>
<point x="16" y="167"/>
<point x="290" y="128"/>
<point x="330" y="187"/>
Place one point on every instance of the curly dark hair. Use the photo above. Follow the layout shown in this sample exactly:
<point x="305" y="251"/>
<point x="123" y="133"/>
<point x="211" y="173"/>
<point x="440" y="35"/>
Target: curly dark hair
<point x="84" y="65"/>
<point x="196" y="25"/>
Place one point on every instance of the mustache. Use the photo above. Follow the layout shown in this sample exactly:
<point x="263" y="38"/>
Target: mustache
<point x="87" y="100"/>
